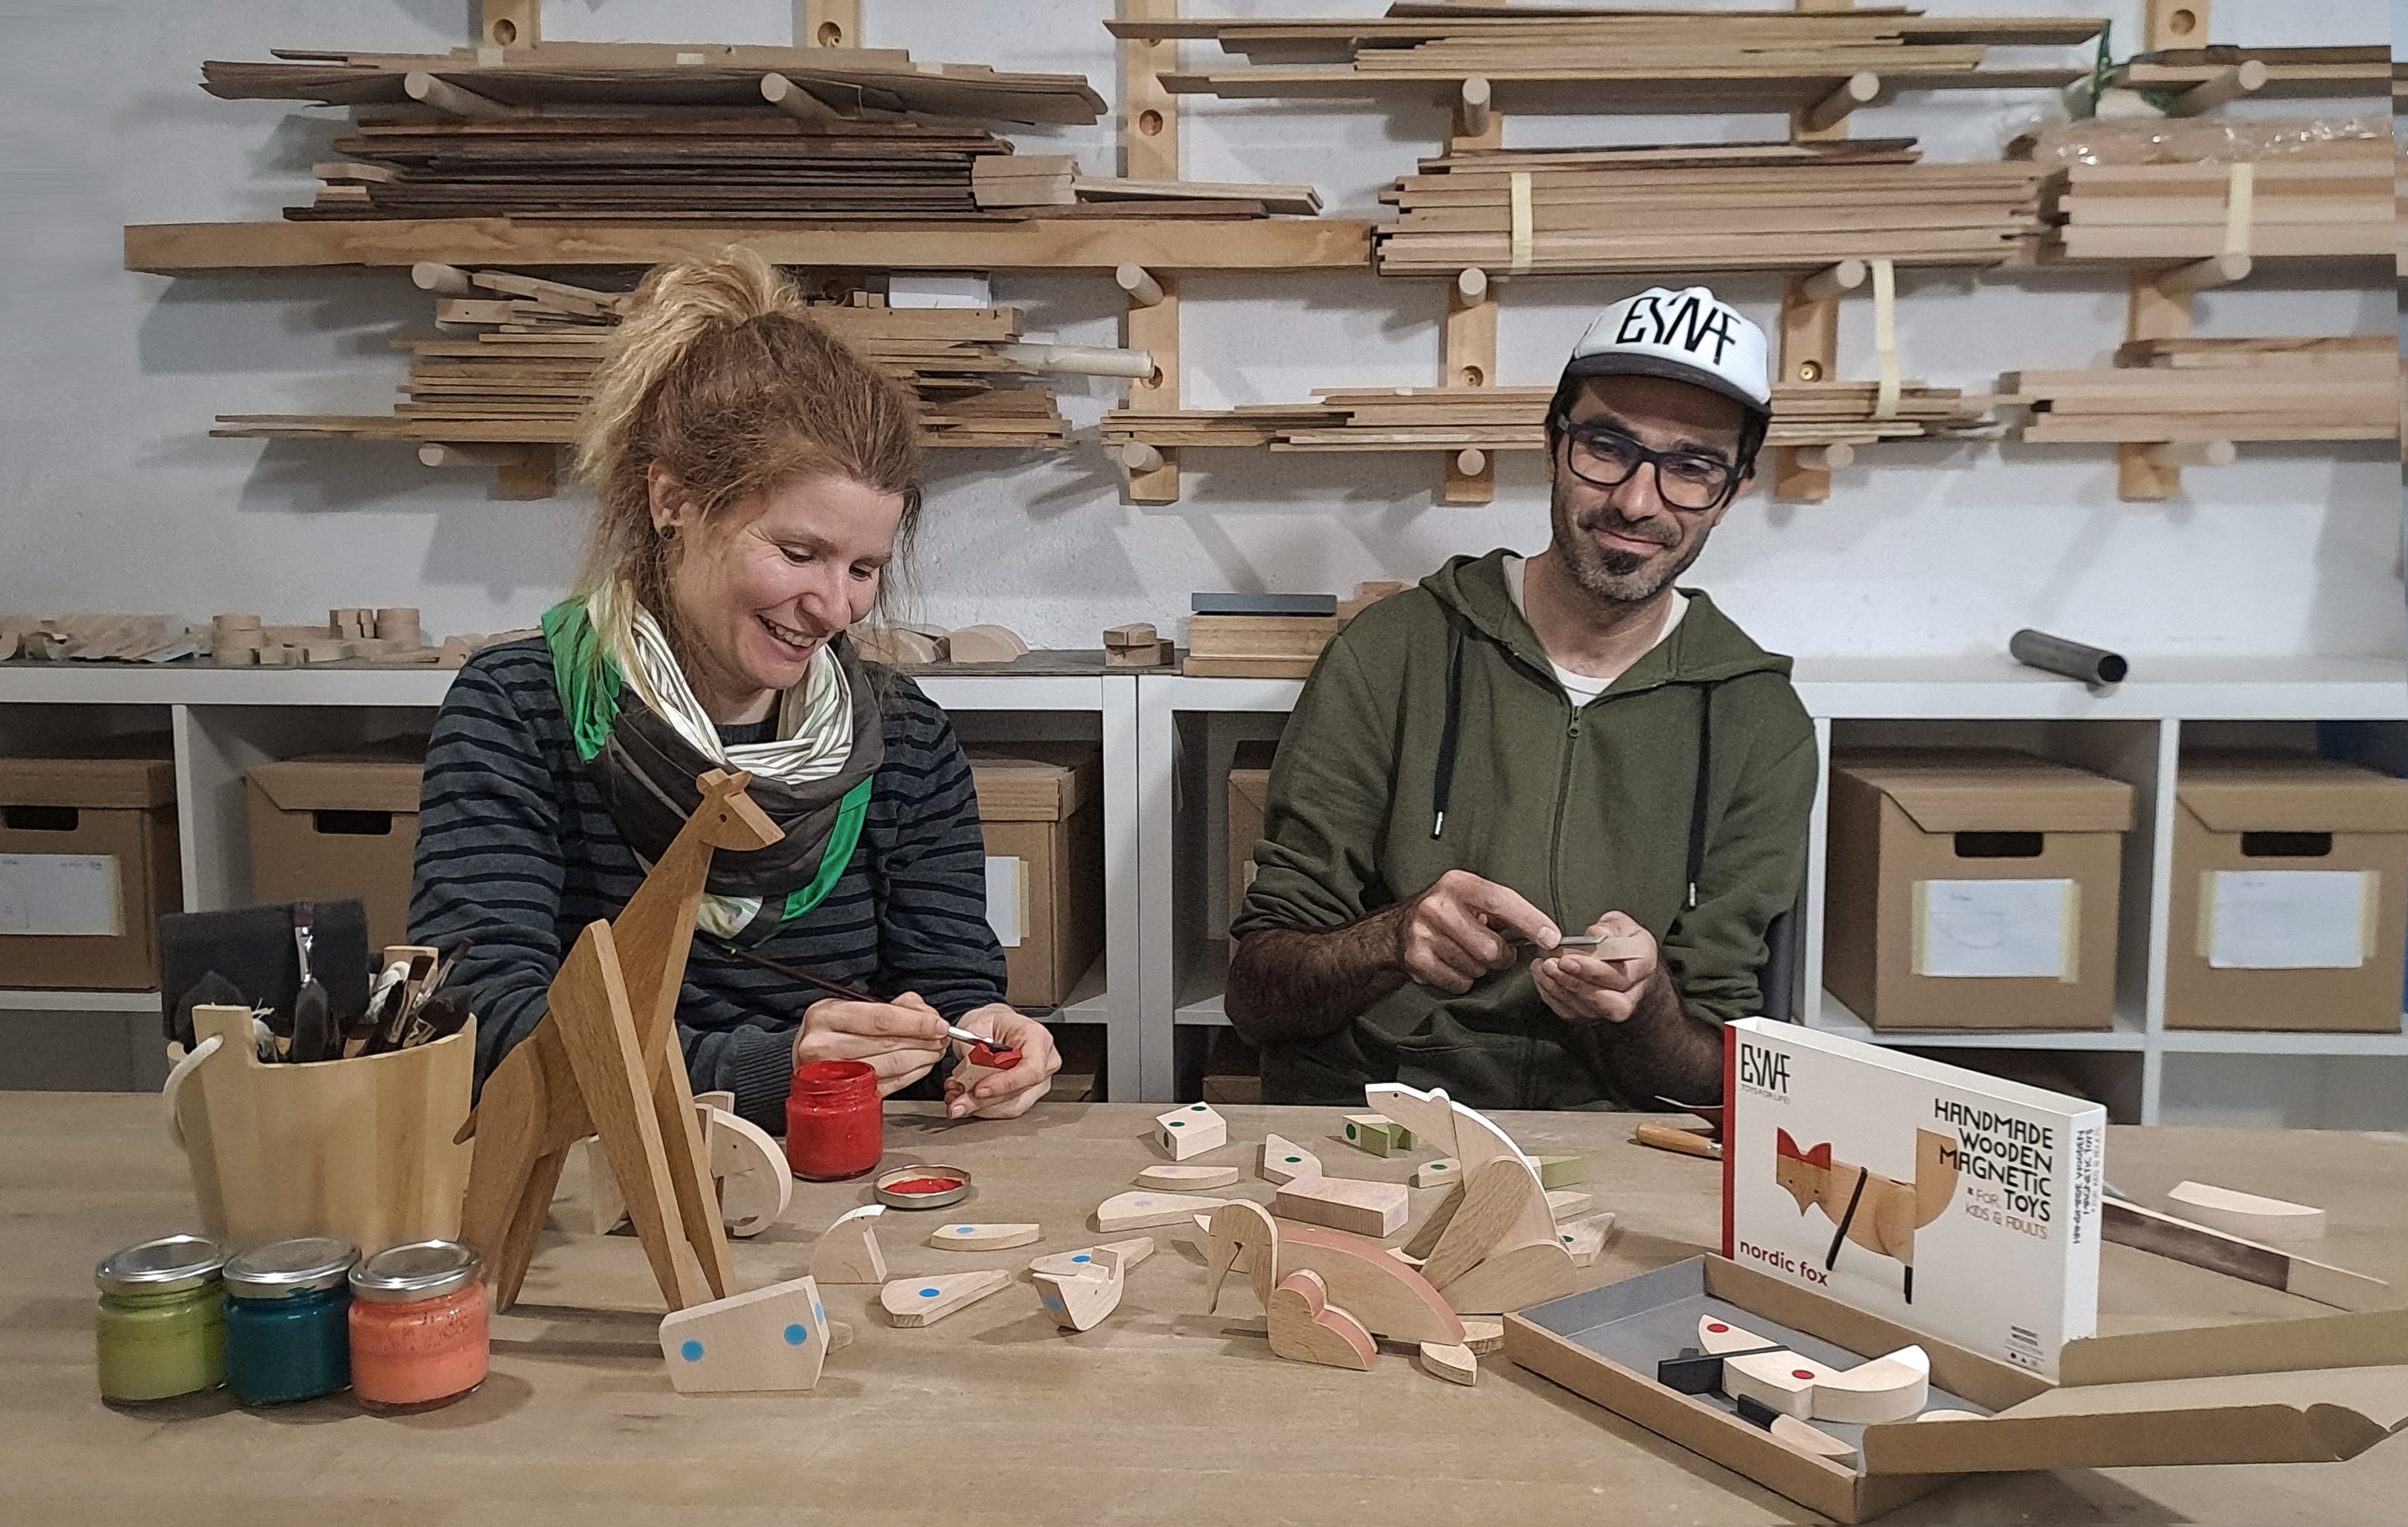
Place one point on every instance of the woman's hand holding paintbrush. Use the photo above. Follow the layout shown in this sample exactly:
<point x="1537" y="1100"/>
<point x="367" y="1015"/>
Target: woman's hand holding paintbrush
<point x="904" y="1039"/>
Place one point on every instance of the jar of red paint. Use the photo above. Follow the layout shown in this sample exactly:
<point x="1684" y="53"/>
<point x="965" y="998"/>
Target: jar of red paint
<point x="835" y="1122"/>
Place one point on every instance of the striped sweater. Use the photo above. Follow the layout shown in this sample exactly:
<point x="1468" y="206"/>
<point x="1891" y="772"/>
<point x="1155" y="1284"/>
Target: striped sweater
<point x="517" y="851"/>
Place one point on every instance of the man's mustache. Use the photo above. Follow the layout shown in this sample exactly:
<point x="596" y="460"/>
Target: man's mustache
<point x="1613" y="523"/>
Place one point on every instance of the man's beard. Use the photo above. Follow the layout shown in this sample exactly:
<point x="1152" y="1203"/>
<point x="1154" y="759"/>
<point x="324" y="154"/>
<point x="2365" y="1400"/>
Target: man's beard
<point x="1622" y="577"/>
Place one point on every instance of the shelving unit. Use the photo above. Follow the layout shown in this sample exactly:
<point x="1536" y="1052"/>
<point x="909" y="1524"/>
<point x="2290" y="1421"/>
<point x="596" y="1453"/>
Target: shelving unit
<point x="223" y="721"/>
<point x="2135" y="732"/>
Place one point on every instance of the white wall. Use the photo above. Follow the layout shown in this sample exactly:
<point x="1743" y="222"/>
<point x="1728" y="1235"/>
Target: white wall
<point x="121" y="501"/>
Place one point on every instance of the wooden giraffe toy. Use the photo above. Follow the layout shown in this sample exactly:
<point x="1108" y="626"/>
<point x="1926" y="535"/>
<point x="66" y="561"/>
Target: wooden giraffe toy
<point x="1880" y="1213"/>
<point x="605" y="1060"/>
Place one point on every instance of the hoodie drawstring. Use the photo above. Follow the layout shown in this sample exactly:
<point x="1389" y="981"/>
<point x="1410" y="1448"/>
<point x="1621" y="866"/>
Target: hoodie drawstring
<point x="1698" y="798"/>
<point x="1446" y="739"/>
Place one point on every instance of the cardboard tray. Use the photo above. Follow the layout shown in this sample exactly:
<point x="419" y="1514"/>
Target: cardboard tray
<point x="2317" y="1389"/>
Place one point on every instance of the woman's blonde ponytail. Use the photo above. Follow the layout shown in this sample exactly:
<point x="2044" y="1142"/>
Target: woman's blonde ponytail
<point x="718" y="374"/>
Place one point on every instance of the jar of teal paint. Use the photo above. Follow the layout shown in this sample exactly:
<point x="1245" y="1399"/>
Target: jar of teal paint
<point x="287" y="1320"/>
<point x="162" y="1324"/>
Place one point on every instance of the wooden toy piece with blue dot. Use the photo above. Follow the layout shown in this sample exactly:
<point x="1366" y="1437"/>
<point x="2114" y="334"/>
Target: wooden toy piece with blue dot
<point x="1143" y="1211"/>
<point x="1132" y="1251"/>
<point x="772" y="1338"/>
<point x="983" y="1238"/>
<point x="1284" y="1161"/>
<point x="1079" y="1299"/>
<point x="910" y="1302"/>
<point x="1187" y="1179"/>
<point x="1192" y="1130"/>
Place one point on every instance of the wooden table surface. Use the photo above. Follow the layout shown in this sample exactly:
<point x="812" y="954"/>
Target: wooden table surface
<point x="993" y="1415"/>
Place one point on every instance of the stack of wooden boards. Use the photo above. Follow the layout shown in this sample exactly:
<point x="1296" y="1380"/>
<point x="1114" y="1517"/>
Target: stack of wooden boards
<point x="1053" y="181"/>
<point x="1656" y="57"/>
<point x="525" y="375"/>
<point x="1706" y="207"/>
<point x="2183" y="391"/>
<point x="1514" y="418"/>
<point x="635" y="131"/>
<point x="2289" y="71"/>
<point x="1273" y="642"/>
<point x="2335" y="200"/>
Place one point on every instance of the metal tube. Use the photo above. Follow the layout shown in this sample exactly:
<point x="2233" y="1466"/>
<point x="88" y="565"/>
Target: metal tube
<point x="2055" y="654"/>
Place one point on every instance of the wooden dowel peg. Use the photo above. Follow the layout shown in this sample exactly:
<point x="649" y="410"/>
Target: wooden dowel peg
<point x="1083" y="360"/>
<point x="1471" y="463"/>
<point x="1470" y="284"/>
<point x="443" y="96"/>
<point x="794" y="100"/>
<point x="435" y="276"/>
<point x="1857" y="90"/>
<point x="1142" y="289"/>
<point x="2227" y="84"/>
<point x="2215" y="270"/>
<point x="2168" y="455"/>
<point x="1831" y="281"/>
<point x="1137" y="456"/>
<point x="1471" y="110"/>
<point x="434" y="453"/>
<point x="1837" y="456"/>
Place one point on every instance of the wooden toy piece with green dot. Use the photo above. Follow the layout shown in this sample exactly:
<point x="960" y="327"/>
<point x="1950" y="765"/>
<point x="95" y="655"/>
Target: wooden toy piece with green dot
<point x="772" y="1338"/>
<point x="911" y="1303"/>
<point x="1284" y="1161"/>
<point x="1373" y="1133"/>
<point x="1191" y="1131"/>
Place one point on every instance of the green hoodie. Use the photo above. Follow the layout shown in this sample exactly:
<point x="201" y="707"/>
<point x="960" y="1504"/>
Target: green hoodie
<point x="1582" y="812"/>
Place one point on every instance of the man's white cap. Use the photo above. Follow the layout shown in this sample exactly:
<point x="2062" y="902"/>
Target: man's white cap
<point x="1688" y="336"/>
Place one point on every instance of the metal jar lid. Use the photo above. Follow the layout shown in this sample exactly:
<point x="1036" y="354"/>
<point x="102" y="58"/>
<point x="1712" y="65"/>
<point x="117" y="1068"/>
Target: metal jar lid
<point x="306" y="1265"/>
<point x="171" y="1264"/>
<point x="401" y="1274"/>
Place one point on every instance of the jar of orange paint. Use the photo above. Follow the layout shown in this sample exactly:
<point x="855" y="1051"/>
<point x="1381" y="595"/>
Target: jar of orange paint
<point x="418" y="1335"/>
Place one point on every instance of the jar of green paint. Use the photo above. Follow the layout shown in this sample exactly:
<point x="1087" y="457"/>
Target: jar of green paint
<point x="162" y="1322"/>
<point x="287" y="1327"/>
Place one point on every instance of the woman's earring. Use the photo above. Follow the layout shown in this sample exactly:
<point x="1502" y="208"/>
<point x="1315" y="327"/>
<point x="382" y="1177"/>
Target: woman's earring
<point x="668" y="532"/>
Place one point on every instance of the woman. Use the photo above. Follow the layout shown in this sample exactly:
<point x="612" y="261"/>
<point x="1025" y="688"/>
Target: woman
<point x="755" y="477"/>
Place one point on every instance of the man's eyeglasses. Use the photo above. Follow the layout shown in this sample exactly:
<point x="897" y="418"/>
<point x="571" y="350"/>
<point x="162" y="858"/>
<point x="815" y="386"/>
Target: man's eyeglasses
<point x="1608" y="458"/>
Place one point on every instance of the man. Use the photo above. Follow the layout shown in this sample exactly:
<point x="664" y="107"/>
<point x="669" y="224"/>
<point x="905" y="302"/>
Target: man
<point x="1516" y="750"/>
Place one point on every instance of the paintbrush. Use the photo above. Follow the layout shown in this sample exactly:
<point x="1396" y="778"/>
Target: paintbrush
<point x="844" y="993"/>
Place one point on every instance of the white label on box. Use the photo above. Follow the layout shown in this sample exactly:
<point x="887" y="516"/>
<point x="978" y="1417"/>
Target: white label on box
<point x="1992" y="928"/>
<point x="1007" y="898"/>
<point x="938" y="289"/>
<point x="2286" y="919"/>
<point x="68" y="894"/>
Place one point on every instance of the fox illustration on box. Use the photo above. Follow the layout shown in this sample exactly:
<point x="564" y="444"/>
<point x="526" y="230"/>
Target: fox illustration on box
<point x="1880" y="1213"/>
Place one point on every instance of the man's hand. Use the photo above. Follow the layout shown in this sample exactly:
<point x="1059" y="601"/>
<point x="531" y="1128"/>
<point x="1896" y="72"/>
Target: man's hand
<point x="1581" y="989"/>
<point x="1463" y="927"/>
<point x="901" y="1039"/>
<point x="1007" y="1094"/>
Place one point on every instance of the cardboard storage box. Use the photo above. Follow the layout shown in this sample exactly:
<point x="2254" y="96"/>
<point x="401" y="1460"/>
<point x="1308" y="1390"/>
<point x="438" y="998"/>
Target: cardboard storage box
<point x="1250" y="787"/>
<point x="88" y="863"/>
<point x="2316" y="1390"/>
<point x="2290" y="895"/>
<point x="1042" y="809"/>
<point x="337" y="825"/>
<point x="1973" y="890"/>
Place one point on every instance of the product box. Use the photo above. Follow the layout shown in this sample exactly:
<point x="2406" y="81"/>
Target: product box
<point x="332" y="825"/>
<point x="1042" y="809"/>
<point x="1250" y="788"/>
<point x="2317" y="1389"/>
<point x="1973" y="890"/>
<point x="87" y="862"/>
<point x="2290" y="895"/>
<point x="1951" y="1203"/>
